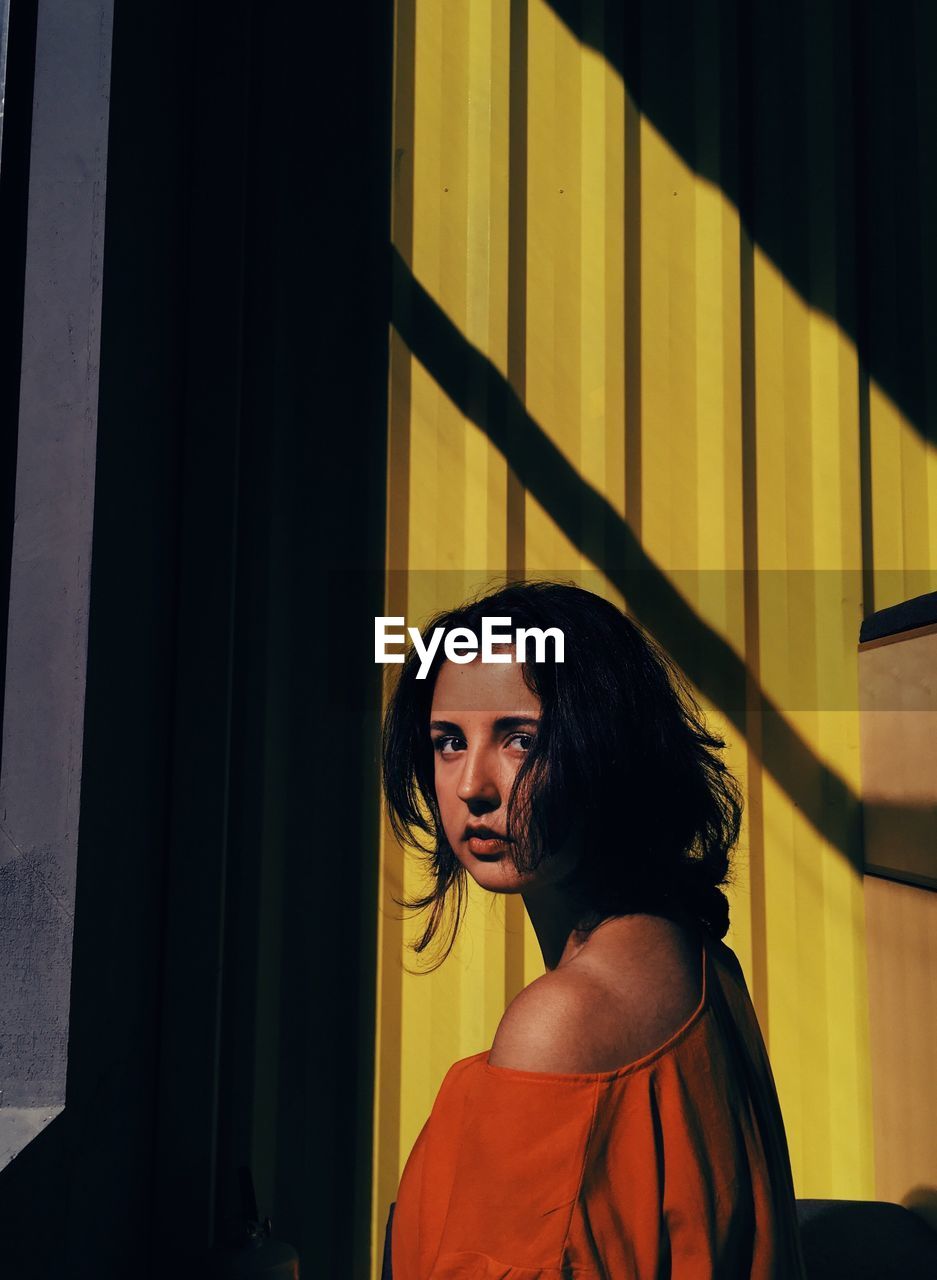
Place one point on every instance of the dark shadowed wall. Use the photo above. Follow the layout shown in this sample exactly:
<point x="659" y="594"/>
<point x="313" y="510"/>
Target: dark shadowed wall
<point x="222" y="982"/>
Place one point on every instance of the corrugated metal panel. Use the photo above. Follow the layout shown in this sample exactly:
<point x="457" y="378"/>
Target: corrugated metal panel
<point x="648" y="348"/>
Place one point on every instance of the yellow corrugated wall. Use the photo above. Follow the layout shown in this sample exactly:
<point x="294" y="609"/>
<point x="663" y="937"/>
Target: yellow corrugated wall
<point x="601" y="369"/>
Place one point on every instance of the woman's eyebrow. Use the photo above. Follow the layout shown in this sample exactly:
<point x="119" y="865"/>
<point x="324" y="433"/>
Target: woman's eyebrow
<point x="448" y="725"/>
<point x="515" y="722"/>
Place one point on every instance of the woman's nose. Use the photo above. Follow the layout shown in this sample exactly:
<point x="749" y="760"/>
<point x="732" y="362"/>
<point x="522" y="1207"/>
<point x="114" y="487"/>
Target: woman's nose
<point x="478" y="784"/>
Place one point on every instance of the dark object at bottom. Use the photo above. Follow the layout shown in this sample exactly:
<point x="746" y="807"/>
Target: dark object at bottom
<point x="842" y="1240"/>
<point x="250" y="1252"/>
<point x="264" y="1259"/>
<point x="865" y="1240"/>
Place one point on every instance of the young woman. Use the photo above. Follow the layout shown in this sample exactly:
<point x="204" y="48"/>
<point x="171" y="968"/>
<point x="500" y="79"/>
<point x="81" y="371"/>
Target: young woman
<point x="624" y="1123"/>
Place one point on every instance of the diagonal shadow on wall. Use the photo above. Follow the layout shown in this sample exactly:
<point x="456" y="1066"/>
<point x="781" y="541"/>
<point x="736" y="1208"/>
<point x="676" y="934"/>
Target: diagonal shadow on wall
<point x="819" y="123"/>
<point x="480" y="392"/>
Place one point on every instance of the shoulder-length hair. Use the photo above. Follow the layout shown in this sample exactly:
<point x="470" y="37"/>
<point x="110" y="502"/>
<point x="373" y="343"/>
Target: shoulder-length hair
<point x="622" y="759"/>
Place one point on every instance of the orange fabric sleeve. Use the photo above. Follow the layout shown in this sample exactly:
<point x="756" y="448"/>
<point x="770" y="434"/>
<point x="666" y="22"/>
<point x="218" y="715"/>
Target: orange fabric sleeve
<point x="673" y="1165"/>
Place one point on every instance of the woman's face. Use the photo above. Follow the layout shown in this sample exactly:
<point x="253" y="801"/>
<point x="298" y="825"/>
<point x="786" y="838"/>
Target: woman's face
<point x="483" y="721"/>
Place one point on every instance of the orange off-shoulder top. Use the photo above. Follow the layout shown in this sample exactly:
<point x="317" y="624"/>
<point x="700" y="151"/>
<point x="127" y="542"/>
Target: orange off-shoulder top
<point x="675" y="1165"/>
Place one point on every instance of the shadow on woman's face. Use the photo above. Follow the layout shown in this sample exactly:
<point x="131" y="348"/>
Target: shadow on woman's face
<point x="483" y="720"/>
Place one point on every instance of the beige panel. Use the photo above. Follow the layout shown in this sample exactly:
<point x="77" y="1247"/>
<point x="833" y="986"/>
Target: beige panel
<point x="898" y="734"/>
<point x="901" y="936"/>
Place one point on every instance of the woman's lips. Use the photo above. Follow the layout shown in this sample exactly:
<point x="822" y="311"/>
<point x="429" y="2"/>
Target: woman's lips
<point x="486" y="843"/>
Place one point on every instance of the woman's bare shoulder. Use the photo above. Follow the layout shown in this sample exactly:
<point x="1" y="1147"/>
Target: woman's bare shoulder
<point x="608" y="1007"/>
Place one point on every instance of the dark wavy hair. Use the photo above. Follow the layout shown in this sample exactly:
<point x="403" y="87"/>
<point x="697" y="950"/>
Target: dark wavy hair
<point x="622" y="759"/>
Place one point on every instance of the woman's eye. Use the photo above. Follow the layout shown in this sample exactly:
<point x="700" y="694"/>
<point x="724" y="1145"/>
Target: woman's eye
<point x="523" y="740"/>
<point x="448" y="744"/>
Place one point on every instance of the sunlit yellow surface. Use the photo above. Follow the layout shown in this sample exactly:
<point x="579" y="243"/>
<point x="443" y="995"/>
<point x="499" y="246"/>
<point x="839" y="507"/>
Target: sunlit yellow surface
<point x="663" y="441"/>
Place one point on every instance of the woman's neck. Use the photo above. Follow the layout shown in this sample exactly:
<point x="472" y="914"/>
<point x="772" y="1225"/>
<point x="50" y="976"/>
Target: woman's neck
<point x="557" y="921"/>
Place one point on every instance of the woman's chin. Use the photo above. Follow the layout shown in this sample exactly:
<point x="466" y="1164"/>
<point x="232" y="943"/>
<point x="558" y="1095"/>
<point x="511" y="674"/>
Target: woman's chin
<point x="497" y="874"/>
